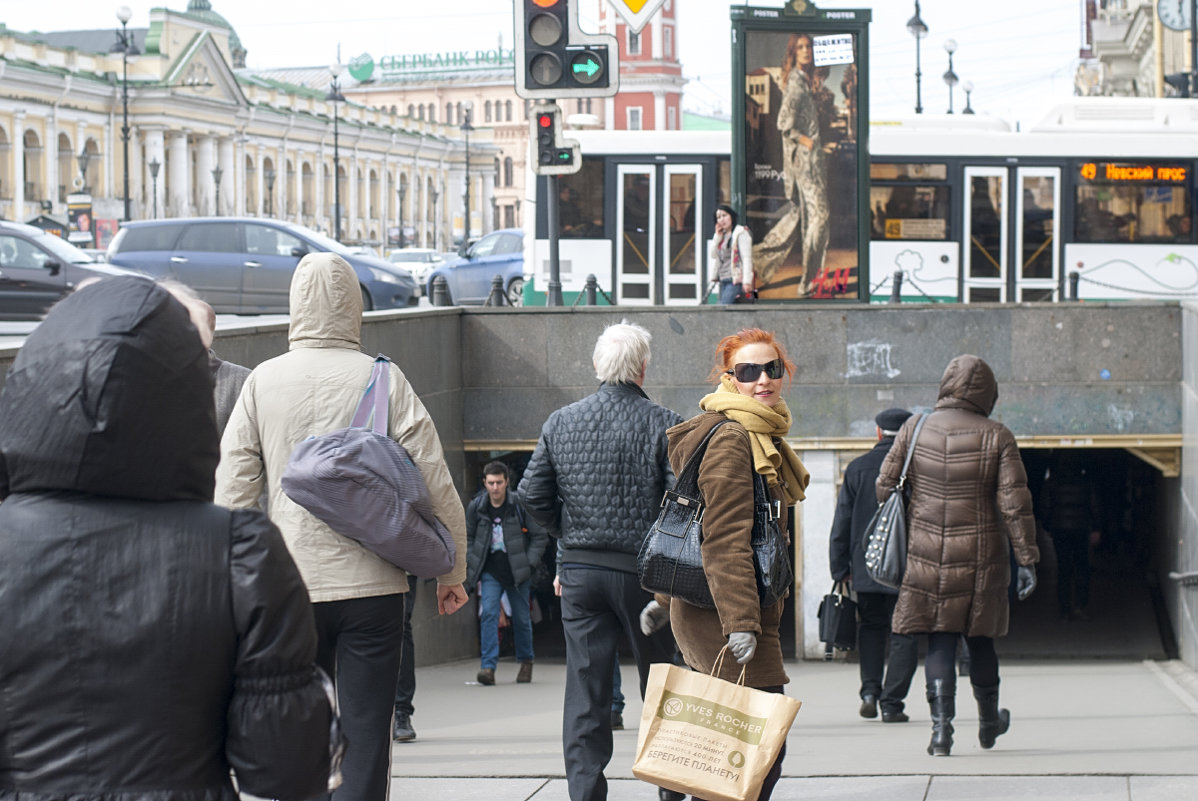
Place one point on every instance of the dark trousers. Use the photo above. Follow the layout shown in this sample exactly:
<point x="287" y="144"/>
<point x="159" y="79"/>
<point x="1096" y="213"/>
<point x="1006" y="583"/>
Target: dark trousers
<point x="405" y="690"/>
<point x="1073" y="568"/>
<point x="359" y="643"/>
<point x="598" y="608"/>
<point x="873" y="630"/>
<point x="942" y="660"/>
<point x="775" y="771"/>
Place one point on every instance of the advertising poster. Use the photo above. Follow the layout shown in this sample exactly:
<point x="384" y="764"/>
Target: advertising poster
<point x="79" y="215"/>
<point x="801" y="154"/>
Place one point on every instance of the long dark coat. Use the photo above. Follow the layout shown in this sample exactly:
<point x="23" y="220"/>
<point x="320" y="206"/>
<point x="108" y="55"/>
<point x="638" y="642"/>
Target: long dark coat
<point x="969" y="504"/>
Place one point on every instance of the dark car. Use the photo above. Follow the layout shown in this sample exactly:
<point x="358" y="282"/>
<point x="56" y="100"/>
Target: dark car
<point x="468" y="279"/>
<point x="243" y="265"/>
<point x="37" y="269"/>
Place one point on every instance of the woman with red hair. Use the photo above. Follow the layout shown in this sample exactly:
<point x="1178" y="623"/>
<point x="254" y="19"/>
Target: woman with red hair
<point x="749" y="370"/>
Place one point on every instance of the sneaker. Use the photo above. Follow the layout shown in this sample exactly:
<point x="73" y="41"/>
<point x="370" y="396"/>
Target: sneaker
<point x="402" y="731"/>
<point x="486" y="676"/>
<point x="525" y="674"/>
<point x="617" y="721"/>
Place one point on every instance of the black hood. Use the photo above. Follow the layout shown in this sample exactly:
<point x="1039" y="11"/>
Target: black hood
<point x="111" y="395"/>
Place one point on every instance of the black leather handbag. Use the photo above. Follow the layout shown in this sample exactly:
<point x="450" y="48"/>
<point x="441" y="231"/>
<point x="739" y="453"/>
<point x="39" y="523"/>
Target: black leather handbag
<point x="838" y="620"/>
<point x="670" y="560"/>
<point x="886" y="532"/>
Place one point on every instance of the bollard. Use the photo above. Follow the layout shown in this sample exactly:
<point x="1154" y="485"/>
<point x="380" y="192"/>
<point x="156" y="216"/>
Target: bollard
<point x="440" y="291"/>
<point x="1074" y="275"/>
<point x="591" y="286"/>
<point x="496" y="298"/>
<point x="896" y="287"/>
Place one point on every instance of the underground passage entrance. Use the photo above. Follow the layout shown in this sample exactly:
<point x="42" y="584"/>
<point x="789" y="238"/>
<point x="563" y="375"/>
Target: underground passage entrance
<point x="1121" y="617"/>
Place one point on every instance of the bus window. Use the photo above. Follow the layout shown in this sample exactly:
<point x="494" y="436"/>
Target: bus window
<point x="580" y="201"/>
<point x="1132" y="202"/>
<point x="909" y="211"/>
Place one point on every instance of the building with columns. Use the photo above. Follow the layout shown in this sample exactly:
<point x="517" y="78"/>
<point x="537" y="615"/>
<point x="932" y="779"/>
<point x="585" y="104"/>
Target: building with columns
<point x="1128" y="51"/>
<point x="207" y="137"/>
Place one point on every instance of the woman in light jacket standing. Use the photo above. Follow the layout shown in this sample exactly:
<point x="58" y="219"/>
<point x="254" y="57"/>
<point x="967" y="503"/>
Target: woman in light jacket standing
<point x="969" y="506"/>
<point x="730" y="257"/>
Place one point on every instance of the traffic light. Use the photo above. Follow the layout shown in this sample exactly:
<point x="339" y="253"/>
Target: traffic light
<point x="552" y="155"/>
<point x="555" y="59"/>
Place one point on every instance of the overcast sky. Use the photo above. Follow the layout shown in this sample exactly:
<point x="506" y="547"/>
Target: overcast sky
<point x="1020" y="54"/>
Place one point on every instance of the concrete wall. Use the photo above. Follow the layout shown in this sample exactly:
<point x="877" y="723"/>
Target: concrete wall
<point x="1182" y="556"/>
<point x="494" y="375"/>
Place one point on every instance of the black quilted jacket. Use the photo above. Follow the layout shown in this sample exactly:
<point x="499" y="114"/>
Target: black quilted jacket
<point x="598" y="473"/>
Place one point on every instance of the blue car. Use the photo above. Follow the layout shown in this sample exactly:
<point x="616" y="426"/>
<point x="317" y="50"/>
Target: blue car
<point x="243" y="265"/>
<point x="468" y="278"/>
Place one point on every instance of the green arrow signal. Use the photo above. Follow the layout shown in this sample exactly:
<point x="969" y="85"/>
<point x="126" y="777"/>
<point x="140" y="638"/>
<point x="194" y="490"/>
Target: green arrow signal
<point x="590" y="67"/>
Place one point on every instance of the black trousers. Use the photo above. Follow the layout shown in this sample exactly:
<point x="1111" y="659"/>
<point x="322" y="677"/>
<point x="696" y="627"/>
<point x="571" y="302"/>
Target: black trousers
<point x="873" y="631"/>
<point x="599" y="607"/>
<point x="359" y="646"/>
<point x="405" y="690"/>
<point x="942" y="660"/>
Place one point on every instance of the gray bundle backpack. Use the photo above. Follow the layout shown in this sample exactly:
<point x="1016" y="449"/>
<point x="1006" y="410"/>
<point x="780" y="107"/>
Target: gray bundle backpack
<point x="364" y="486"/>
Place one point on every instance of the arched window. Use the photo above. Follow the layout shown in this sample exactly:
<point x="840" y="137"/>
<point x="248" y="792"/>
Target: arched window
<point x="432" y="112"/>
<point x="498" y="172"/>
<point x="420" y="111"/>
<point x="507" y="171"/>
<point x="449" y="113"/>
<point x="487" y="111"/>
<point x="411" y="110"/>
<point x="509" y="111"/>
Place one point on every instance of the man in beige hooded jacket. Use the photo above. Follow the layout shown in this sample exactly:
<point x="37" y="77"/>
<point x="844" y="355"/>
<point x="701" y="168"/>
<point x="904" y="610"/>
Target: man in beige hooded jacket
<point x="357" y="596"/>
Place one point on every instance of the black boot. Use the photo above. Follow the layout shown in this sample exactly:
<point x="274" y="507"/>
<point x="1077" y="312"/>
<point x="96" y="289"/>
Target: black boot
<point x="992" y="721"/>
<point x="943" y="703"/>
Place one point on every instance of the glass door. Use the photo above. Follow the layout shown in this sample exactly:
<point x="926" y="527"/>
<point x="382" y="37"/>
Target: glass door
<point x="985" y="248"/>
<point x="636" y="220"/>
<point x="1037" y="219"/>
<point x="682" y="219"/>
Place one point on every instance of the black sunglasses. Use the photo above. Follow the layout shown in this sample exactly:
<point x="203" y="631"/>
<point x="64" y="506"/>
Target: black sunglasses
<point x="749" y="372"/>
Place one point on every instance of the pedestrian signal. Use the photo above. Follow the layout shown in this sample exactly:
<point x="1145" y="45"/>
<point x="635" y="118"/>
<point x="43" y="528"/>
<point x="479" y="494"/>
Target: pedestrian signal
<point x="555" y="59"/>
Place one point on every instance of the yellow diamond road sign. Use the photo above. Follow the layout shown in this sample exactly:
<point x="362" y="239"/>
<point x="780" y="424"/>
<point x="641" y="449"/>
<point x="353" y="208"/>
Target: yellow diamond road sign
<point x="636" y="12"/>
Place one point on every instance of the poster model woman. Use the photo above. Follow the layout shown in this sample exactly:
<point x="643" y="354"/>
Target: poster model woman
<point x="730" y="256"/>
<point x="804" y="173"/>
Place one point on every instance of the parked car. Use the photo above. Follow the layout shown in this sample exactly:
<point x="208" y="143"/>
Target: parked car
<point x="37" y="269"/>
<point x="243" y="265"/>
<point x="468" y="278"/>
<point x="420" y="261"/>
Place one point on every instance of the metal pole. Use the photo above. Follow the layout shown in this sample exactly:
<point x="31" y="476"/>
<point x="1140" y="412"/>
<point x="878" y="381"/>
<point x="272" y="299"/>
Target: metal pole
<point x="554" y="297"/>
<point x="466" y="234"/>
<point x="1193" y="48"/>
<point x="125" y="109"/>
<point x="336" y="169"/>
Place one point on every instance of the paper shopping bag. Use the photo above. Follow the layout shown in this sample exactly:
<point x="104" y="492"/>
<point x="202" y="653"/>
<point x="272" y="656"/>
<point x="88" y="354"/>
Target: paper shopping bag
<point x="708" y="737"/>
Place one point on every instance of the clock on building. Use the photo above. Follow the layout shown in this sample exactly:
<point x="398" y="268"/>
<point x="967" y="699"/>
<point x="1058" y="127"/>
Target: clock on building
<point x="1175" y="14"/>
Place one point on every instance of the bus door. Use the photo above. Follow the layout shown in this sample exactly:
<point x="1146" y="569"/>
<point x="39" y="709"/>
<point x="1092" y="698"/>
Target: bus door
<point x="1011" y="217"/>
<point x="684" y="247"/>
<point x="636" y="224"/>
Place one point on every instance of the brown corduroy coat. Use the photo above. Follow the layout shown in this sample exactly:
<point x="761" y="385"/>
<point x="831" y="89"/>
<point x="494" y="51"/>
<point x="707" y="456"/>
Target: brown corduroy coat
<point x="726" y="483"/>
<point x="969" y="504"/>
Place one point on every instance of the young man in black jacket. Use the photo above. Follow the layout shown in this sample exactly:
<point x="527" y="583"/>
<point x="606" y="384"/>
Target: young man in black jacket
<point x="875" y="603"/>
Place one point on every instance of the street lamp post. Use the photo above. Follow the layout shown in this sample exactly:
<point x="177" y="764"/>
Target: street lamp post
<point x="919" y="30"/>
<point x="269" y="175"/>
<point x="128" y="49"/>
<point x="950" y="77"/>
<point x="216" y="174"/>
<point x="154" y="166"/>
<point x="436" y="216"/>
<point x="403" y="192"/>
<point x="335" y="97"/>
<point x="968" y="87"/>
<point x="466" y="129"/>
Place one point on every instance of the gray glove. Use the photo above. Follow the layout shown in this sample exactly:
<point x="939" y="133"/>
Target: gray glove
<point x="1025" y="582"/>
<point x="742" y="644"/>
<point x="653" y="617"/>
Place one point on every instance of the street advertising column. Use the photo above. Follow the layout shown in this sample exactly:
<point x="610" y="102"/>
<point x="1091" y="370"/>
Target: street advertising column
<point x="800" y="165"/>
<point x="79" y="215"/>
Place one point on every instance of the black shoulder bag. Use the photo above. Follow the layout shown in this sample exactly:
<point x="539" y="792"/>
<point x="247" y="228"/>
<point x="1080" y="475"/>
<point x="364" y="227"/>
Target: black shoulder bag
<point x="886" y="532"/>
<point x="671" y="560"/>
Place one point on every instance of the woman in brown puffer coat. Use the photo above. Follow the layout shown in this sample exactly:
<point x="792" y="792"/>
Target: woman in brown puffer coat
<point x="968" y="507"/>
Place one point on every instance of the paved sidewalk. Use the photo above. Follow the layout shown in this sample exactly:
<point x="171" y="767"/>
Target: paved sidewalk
<point x="1090" y="730"/>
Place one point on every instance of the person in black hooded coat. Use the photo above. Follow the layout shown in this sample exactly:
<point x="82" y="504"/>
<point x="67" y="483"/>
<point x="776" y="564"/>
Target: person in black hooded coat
<point x="150" y="641"/>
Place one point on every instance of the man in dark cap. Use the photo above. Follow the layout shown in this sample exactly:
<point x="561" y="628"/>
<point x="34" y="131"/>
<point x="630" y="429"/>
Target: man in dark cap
<point x="875" y="603"/>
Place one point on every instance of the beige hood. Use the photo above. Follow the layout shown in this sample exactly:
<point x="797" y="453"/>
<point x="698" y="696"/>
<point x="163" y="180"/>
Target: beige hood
<point x="326" y="304"/>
